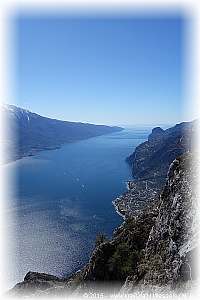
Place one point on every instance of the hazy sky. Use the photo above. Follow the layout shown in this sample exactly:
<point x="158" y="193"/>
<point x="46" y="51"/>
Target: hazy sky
<point x="103" y="70"/>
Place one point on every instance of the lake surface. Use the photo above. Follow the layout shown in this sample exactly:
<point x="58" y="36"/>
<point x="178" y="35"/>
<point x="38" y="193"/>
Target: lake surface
<point x="60" y="200"/>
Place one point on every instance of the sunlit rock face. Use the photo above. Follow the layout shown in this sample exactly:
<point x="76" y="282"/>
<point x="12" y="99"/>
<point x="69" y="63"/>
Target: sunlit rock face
<point x="171" y="250"/>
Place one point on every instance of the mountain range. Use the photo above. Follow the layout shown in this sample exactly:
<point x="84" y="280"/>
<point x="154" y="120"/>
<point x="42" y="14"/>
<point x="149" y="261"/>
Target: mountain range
<point x="27" y="132"/>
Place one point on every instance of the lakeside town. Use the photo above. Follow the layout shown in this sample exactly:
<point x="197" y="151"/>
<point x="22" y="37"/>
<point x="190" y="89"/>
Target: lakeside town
<point x="140" y="194"/>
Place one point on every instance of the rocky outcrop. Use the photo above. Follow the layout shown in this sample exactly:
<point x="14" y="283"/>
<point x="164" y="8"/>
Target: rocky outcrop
<point x="37" y="285"/>
<point x="156" y="133"/>
<point x="173" y="240"/>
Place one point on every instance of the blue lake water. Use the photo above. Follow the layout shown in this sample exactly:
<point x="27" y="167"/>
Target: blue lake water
<point x="61" y="200"/>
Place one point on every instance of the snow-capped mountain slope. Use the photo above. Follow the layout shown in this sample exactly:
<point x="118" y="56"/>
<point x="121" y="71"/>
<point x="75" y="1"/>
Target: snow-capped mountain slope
<point x="32" y="132"/>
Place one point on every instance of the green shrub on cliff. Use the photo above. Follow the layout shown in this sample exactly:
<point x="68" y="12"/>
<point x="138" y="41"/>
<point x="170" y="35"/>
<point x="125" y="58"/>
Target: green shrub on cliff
<point x="123" y="261"/>
<point x="101" y="238"/>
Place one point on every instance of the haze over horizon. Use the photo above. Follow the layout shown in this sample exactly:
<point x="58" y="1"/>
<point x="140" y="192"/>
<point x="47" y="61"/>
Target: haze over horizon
<point x="102" y="70"/>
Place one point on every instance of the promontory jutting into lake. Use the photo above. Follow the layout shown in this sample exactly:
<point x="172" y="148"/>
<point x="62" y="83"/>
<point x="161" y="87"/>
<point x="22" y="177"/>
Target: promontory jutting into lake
<point x="63" y="199"/>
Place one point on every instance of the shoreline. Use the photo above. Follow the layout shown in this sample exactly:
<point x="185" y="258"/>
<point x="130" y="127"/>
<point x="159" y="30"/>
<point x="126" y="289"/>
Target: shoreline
<point x="140" y="194"/>
<point x="117" y="210"/>
<point x="33" y="152"/>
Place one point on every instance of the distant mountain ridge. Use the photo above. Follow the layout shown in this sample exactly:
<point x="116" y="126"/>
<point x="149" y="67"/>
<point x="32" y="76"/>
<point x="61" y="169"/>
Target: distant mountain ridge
<point x="153" y="157"/>
<point x="33" y="132"/>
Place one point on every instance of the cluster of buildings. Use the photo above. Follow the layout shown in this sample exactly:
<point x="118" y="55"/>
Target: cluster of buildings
<point x="140" y="194"/>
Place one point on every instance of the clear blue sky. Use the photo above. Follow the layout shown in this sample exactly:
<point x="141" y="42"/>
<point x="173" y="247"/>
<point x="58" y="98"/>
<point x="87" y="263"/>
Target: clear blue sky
<point x="117" y="70"/>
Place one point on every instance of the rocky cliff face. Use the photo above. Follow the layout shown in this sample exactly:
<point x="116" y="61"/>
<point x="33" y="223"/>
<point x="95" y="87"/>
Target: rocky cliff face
<point x="155" y="251"/>
<point x="157" y="132"/>
<point x="170" y="261"/>
<point x="173" y="240"/>
<point x="153" y="157"/>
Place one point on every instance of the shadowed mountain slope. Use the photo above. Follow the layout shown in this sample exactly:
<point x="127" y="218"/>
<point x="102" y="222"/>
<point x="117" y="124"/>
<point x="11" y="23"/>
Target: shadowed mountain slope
<point x="153" y="157"/>
<point x="28" y="132"/>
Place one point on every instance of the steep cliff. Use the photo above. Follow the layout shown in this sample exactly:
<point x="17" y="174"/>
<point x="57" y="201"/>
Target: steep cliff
<point x="173" y="240"/>
<point x="153" y="157"/>
<point x="170" y="261"/>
